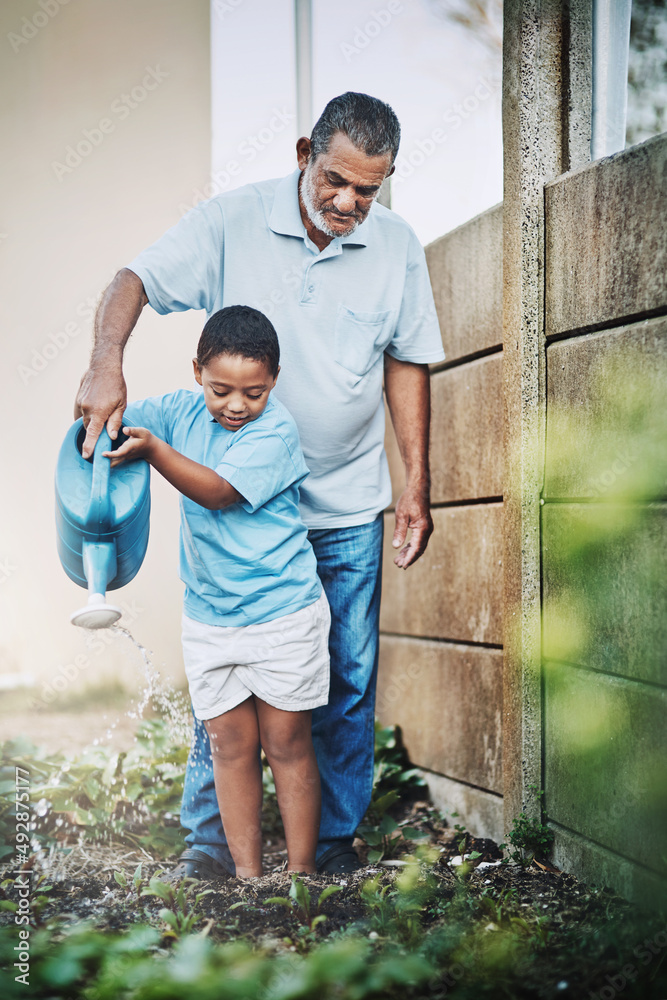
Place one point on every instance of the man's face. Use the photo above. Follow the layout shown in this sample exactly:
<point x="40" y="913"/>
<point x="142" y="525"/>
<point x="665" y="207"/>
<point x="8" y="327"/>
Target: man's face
<point x="236" y="389"/>
<point x="339" y="186"/>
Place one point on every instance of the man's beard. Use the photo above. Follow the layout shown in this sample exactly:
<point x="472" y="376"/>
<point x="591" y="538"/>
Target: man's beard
<point x="316" y="216"/>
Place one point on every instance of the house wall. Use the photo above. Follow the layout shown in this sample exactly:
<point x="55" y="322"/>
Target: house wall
<point x="80" y="201"/>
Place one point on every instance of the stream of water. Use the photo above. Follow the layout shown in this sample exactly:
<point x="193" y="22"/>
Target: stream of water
<point x="160" y="694"/>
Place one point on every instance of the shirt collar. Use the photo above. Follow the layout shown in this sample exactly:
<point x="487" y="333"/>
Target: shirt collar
<point x="285" y="218"/>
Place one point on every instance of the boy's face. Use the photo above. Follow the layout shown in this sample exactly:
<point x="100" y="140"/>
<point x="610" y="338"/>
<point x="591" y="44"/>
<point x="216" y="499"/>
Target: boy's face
<point x="236" y="389"/>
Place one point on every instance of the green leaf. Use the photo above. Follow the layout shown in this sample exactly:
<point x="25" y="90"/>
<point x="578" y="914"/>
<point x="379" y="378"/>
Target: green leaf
<point x="169" y="917"/>
<point x="329" y="891"/>
<point x="274" y="901"/>
<point x="299" y="893"/>
<point x="388" y="825"/>
<point x="410" y="833"/>
<point x="374" y="856"/>
<point x="120" y="878"/>
<point x="382" y="804"/>
<point x="372" y="837"/>
<point x="157" y="888"/>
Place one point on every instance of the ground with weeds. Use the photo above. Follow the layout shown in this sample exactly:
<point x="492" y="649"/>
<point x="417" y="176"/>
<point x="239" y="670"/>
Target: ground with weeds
<point x="433" y="912"/>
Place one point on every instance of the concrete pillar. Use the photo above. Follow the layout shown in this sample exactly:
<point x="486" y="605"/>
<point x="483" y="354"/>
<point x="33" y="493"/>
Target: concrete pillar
<point x="546" y="131"/>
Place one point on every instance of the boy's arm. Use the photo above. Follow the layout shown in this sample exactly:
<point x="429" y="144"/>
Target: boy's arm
<point x="195" y="481"/>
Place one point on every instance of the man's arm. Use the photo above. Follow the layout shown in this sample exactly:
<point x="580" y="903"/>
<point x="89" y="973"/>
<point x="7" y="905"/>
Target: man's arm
<point x="102" y="394"/>
<point x="195" y="481"/>
<point x="408" y="392"/>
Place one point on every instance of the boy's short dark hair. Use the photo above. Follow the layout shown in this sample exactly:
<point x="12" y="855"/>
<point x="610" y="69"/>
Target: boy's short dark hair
<point x="241" y="331"/>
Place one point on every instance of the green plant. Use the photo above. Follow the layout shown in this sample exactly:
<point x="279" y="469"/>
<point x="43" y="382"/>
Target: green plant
<point x="396" y="910"/>
<point x="393" y="777"/>
<point x="498" y="908"/>
<point x="392" y="769"/>
<point x="181" y="913"/>
<point x="529" y="836"/>
<point x="101" y="794"/>
<point x="38" y="899"/>
<point x="136" y="881"/>
<point x="387" y="839"/>
<point x="301" y="902"/>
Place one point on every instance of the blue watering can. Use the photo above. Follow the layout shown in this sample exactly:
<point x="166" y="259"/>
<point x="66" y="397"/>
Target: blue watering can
<point x="102" y="518"/>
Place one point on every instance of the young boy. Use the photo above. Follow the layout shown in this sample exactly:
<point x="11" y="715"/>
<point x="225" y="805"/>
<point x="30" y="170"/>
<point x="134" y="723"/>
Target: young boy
<point x="256" y="620"/>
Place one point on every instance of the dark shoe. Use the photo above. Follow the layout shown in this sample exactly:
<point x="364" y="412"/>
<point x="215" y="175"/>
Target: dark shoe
<point x="200" y="865"/>
<point x="339" y="860"/>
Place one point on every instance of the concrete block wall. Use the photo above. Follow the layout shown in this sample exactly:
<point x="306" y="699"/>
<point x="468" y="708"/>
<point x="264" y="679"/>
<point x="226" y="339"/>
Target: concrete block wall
<point x="604" y="521"/>
<point x="441" y="644"/>
<point x="600" y="745"/>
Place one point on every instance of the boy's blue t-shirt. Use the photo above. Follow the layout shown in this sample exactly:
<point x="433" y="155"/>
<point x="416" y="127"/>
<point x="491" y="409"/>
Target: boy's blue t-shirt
<point x="251" y="562"/>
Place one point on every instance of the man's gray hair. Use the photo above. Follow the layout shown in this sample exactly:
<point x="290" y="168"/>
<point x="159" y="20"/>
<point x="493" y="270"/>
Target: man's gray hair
<point x="370" y="125"/>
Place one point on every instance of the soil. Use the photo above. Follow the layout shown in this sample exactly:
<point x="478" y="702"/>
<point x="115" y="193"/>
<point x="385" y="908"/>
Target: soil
<point x="84" y="888"/>
<point x="580" y="959"/>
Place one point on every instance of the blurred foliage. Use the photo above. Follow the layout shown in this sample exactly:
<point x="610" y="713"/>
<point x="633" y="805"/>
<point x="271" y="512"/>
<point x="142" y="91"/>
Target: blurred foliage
<point x="604" y="536"/>
<point x="482" y="19"/>
<point x="647" y="71"/>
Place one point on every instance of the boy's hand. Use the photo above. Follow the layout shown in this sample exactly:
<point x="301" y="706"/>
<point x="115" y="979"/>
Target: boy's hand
<point x="139" y="445"/>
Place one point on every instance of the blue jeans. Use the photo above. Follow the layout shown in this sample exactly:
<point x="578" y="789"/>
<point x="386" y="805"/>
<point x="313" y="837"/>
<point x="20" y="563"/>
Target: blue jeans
<point x="349" y="563"/>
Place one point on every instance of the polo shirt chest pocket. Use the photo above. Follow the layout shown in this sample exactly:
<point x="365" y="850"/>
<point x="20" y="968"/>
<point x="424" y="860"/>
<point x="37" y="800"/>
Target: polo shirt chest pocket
<point x="361" y="337"/>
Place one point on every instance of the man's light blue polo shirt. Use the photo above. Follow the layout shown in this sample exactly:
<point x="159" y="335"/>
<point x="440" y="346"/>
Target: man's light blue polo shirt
<point x="251" y="562"/>
<point x="336" y="312"/>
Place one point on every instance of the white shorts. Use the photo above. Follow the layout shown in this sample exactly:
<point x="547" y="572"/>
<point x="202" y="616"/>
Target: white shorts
<point x="285" y="662"/>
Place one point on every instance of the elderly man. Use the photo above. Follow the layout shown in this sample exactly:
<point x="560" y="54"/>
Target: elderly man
<point x="345" y="283"/>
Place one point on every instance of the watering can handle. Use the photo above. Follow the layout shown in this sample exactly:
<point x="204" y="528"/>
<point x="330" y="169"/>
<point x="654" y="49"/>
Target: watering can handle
<point x="99" y="507"/>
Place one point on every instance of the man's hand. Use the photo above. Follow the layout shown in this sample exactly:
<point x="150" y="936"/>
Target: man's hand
<point x="101" y="400"/>
<point x="412" y="514"/>
<point x="102" y="395"/>
<point x="139" y="445"/>
<point x="408" y="395"/>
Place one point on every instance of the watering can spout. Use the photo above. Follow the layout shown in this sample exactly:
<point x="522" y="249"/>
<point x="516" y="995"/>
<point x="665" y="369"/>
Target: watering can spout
<point x="99" y="566"/>
<point x="102" y="516"/>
